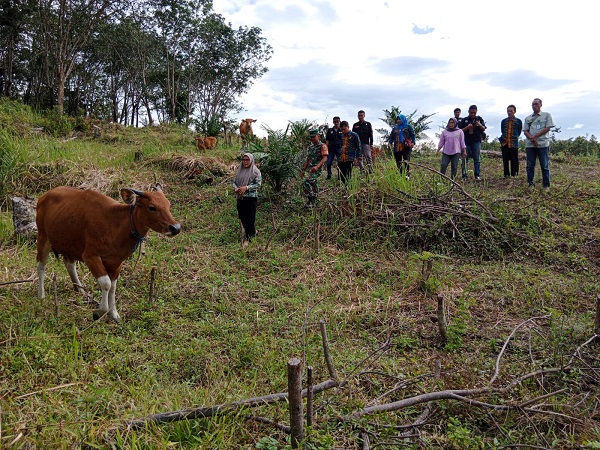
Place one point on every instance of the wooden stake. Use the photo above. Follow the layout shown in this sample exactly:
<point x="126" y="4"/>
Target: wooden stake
<point x="309" y="397"/>
<point x="326" y="353"/>
<point x="151" y="290"/>
<point x="295" y="398"/>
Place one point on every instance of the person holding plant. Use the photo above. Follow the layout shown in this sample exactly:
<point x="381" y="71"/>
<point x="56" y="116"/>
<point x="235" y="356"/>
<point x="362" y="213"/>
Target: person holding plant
<point x="402" y="139"/>
<point x="452" y="140"/>
<point x="511" y="128"/>
<point x="245" y="186"/>
<point x="315" y="160"/>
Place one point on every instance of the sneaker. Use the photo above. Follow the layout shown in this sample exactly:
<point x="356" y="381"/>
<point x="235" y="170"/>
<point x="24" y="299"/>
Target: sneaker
<point x="477" y="178"/>
<point x="531" y="186"/>
<point x="407" y="177"/>
<point x="546" y="189"/>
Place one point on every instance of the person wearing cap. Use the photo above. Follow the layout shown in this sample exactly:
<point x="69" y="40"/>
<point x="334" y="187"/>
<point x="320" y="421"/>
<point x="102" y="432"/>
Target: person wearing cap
<point x="350" y="150"/>
<point x="315" y="160"/>
<point x="333" y="140"/>
<point x="402" y="140"/>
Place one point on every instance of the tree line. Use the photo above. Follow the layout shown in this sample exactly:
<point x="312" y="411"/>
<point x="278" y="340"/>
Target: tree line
<point x="135" y="62"/>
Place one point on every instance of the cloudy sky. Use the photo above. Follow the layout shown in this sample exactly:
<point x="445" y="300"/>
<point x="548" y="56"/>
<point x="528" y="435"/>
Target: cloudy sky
<point x="334" y="58"/>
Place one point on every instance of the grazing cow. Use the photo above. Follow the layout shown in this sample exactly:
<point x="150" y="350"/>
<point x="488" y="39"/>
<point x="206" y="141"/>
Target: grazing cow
<point x="246" y="130"/>
<point x="200" y="144"/>
<point x="85" y="225"/>
<point x="210" y="142"/>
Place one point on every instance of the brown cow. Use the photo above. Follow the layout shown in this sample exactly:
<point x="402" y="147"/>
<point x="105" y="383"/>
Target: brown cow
<point x="246" y="130"/>
<point x="208" y="142"/>
<point x="85" y="225"/>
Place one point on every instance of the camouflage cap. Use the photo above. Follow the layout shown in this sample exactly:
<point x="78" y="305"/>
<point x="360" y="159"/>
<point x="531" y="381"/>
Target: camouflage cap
<point x="313" y="132"/>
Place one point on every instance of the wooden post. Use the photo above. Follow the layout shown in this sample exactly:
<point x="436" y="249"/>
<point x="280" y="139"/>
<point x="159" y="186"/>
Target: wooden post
<point x="310" y="396"/>
<point x="330" y="368"/>
<point x="441" y="313"/>
<point x="295" y="399"/>
<point x="151" y="290"/>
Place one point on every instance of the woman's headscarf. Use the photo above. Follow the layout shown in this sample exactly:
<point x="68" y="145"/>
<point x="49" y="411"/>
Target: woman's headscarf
<point x="401" y="126"/>
<point x="244" y="175"/>
<point x="455" y="124"/>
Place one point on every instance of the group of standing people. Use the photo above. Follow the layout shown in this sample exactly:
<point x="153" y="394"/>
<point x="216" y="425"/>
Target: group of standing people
<point x="463" y="137"/>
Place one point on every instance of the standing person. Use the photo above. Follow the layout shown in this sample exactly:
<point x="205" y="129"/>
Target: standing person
<point x="511" y="128"/>
<point x="364" y="130"/>
<point x="245" y="186"/>
<point x="349" y="151"/>
<point x="537" y="131"/>
<point x="452" y="140"/>
<point x="315" y="160"/>
<point x="333" y="140"/>
<point x="402" y="139"/>
<point x="473" y="127"/>
<point x="457" y="117"/>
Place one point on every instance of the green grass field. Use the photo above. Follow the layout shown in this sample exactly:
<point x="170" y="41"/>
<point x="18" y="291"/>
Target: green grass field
<point x="370" y="262"/>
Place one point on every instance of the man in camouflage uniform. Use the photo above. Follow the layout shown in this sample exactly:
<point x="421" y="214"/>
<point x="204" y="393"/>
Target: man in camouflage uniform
<point x="315" y="159"/>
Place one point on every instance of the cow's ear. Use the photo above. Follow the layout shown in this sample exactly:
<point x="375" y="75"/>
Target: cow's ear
<point x="129" y="195"/>
<point x="254" y="120"/>
<point x="156" y="187"/>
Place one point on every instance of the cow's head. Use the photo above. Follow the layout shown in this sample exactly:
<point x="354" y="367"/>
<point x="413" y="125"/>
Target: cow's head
<point x="151" y="210"/>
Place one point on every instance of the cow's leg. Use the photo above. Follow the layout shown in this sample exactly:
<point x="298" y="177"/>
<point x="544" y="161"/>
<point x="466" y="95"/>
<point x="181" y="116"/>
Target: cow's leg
<point x="112" y="305"/>
<point x="105" y="286"/>
<point x="72" y="270"/>
<point x="43" y="250"/>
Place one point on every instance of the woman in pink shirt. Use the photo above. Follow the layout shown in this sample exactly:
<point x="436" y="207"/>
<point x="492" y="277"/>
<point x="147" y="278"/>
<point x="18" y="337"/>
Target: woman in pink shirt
<point x="452" y="141"/>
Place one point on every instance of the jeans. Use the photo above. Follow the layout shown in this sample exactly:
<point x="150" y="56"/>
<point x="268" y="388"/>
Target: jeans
<point x="510" y="155"/>
<point x="474" y="151"/>
<point x="333" y="154"/>
<point x="453" y="161"/>
<point x="543" y="154"/>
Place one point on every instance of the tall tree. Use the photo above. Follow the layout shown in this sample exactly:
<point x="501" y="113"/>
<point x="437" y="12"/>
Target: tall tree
<point x="226" y="64"/>
<point x="66" y="28"/>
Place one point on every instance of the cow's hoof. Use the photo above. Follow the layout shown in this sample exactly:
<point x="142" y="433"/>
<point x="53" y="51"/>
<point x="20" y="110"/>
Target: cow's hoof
<point x="98" y="314"/>
<point x="115" y="319"/>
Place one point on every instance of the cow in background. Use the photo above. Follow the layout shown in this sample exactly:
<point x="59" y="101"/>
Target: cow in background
<point x="85" y="225"/>
<point x="206" y="143"/>
<point x="246" y="131"/>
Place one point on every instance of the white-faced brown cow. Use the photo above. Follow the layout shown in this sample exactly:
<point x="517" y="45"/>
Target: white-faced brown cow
<point x="246" y="130"/>
<point x="85" y="225"/>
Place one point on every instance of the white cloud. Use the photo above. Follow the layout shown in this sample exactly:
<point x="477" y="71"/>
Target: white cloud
<point x="334" y="58"/>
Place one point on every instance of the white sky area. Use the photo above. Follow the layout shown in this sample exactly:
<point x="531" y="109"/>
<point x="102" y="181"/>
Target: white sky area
<point x="336" y="57"/>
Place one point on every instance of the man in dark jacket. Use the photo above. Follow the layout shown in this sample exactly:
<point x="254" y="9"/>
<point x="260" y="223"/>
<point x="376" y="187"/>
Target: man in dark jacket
<point x="364" y="130"/>
<point x="474" y="128"/>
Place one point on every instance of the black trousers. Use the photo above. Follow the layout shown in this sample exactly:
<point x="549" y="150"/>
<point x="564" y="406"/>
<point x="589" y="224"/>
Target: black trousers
<point x="247" y="213"/>
<point x="345" y="169"/>
<point x="510" y="155"/>
<point x="402" y="159"/>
